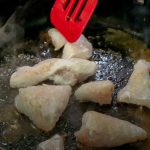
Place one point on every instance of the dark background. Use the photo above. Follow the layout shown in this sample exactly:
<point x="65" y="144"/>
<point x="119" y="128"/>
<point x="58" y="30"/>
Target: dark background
<point x="31" y="12"/>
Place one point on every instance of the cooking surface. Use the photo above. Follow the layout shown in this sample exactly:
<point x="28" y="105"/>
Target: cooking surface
<point x="18" y="133"/>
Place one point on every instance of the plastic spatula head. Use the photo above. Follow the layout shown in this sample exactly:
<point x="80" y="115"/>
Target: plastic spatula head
<point x="70" y="17"/>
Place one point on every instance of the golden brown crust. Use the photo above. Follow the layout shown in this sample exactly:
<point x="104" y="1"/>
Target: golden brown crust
<point x="95" y="91"/>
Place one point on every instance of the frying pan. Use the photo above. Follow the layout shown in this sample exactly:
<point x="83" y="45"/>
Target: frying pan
<point x="16" y="130"/>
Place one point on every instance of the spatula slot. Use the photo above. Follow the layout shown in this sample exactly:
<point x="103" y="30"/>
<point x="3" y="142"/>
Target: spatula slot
<point x="65" y="4"/>
<point x="70" y="12"/>
<point x="73" y="13"/>
<point x="69" y="8"/>
<point x="77" y="16"/>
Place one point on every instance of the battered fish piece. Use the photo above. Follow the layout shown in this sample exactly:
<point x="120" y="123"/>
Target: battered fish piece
<point x="137" y="91"/>
<point x="103" y="131"/>
<point x="61" y="71"/>
<point x="54" y="143"/>
<point x="58" y="40"/>
<point x="95" y="91"/>
<point x="82" y="48"/>
<point x="43" y="104"/>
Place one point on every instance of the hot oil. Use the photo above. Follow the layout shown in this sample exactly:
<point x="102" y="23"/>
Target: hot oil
<point x="18" y="132"/>
<point x="11" y="121"/>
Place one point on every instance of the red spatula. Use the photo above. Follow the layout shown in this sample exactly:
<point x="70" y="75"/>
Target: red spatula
<point x="70" y="17"/>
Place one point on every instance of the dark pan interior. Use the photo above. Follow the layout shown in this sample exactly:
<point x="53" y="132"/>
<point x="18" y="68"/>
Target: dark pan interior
<point x="18" y="133"/>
